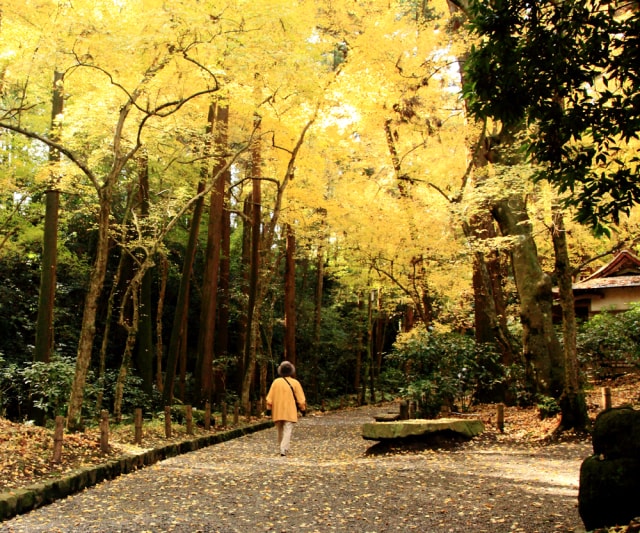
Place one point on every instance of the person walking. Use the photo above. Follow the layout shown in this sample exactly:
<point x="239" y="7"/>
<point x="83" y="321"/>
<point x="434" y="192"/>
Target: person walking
<point x="284" y="400"/>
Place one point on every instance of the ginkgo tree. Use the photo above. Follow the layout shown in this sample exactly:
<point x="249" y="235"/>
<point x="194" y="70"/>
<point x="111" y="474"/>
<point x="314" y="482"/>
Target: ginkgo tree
<point x="195" y="132"/>
<point x="91" y="44"/>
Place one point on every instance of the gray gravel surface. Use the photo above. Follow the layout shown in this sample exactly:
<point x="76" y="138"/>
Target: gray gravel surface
<point x="331" y="481"/>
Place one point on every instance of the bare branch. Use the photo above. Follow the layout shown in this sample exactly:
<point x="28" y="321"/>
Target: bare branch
<point x="56" y="146"/>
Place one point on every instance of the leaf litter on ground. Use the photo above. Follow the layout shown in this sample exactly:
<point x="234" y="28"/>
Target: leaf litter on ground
<point x="26" y="451"/>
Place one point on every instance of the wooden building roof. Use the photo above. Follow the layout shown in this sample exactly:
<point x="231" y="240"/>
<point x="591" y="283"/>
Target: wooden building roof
<point x="622" y="271"/>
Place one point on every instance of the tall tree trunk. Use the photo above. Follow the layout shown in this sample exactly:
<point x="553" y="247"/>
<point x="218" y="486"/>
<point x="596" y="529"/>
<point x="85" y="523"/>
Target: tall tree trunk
<point x="120" y="157"/>
<point x="116" y="289"/>
<point x="178" y="330"/>
<point x="224" y="296"/>
<point x="44" y="324"/>
<point x="252" y="316"/>
<point x="317" y="323"/>
<point x="130" y="325"/>
<point x="490" y="305"/>
<point x="144" y="341"/>
<point x="541" y="349"/>
<point x="257" y="283"/>
<point x="572" y="402"/>
<point x="164" y="274"/>
<point x="204" y="364"/>
<point x="87" y="332"/>
<point x="360" y="349"/>
<point x="183" y="353"/>
<point x="368" y="374"/>
<point x="290" y="298"/>
<point x="245" y="261"/>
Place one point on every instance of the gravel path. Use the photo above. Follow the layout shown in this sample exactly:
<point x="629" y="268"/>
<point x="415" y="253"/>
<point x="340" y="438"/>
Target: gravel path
<point x="330" y="482"/>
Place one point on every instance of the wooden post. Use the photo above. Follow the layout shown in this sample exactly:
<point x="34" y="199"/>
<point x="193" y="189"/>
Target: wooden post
<point x="236" y="414"/>
<point x="104" y="431"/>
<point x="167" y="421"/>
<point x="606" y="398"/>
<point x="137" y="435"/>
<point x="254" y="409"/>
<point x="404" y="410"/>
<point x="188" y="412"/>
<point x="57" y="439"/>
<point x="224" y="414"/>
<point x="323" y="407"/>
<point x="207" y="416"/>
<point x="500" y="420"/>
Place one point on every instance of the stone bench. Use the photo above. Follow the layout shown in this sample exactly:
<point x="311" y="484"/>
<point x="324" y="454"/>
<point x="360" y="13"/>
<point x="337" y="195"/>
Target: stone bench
<point x="402" y="429"/>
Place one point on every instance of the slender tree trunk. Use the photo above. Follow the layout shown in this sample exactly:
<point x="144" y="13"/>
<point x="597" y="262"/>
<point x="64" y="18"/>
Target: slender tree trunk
<point x="87" y="332"/>
<point x="178" y="330"/>
<point x="44" y="324"/>
<point x="572" y="402"/>
<point x="252" y="316"/>
<point x="98" y="273"/>
<point x="120" y="157"/>
<point x="245" y="261"/>
<point x="360" y="348"/>
<point x="183" y="350"/>
<point x="132" y="333"/>
<point x="381" y="331"/>
<point x="116" y="289"/>
<point x="204" y="364"/>
<point x="370" y="348"/>
<point x="257" y="282"/>
<point x="224" y="305"/>
<point x="102" y="359"/>
<point x="144" y="346"/>
<point x="317" y="323"/>
<point x="290" y="298"/>
<point x="164" y="274"/>
<point x="541" y="349"/>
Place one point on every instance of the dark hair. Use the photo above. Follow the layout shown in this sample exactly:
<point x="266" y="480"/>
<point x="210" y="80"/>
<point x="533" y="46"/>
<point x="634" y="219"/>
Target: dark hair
<point x="286" y="369"/>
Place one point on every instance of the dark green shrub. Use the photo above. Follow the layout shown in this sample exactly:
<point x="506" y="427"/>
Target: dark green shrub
<point x="10" y="391"/>
<point x="444" y="369"/>
<point x="134" y="396"/>
<point x="608" y="340"/>
<point x="48" y="385"/>
<point x="548" y="407"/>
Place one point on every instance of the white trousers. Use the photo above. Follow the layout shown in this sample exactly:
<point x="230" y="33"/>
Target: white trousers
<point x="284" y="435"/>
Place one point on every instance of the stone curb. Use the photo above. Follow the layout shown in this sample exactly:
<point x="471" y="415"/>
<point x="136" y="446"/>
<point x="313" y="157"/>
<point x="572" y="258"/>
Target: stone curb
<point x="20" y="501"/>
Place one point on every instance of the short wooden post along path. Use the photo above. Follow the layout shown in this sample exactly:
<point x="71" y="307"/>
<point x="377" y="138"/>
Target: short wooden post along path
<point x="188" y="410"/>
<point x="104" y="431"/>
<point x="207" y="416"/>
<point x="167" y="421"/>
<point x="137" y="432"/>
<point x="606" y="398"/>
<point x="57" y="439"/>
<point x="500" y="417"/>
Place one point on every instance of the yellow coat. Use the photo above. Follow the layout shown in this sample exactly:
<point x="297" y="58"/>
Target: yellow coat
<point x="280" y="400"/>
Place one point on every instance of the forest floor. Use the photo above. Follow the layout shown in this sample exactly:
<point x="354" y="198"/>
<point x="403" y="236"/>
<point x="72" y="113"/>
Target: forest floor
<point x="26" y="451"/>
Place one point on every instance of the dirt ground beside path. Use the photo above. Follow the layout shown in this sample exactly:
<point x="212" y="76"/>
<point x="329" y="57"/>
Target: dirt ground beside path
<point x="330" y="482"/>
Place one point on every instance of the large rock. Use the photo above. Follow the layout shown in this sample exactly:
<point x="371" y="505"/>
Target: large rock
<point x="420" y="427"/>
<point x="616" y="433"/>
<point x="609" y="491"/>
